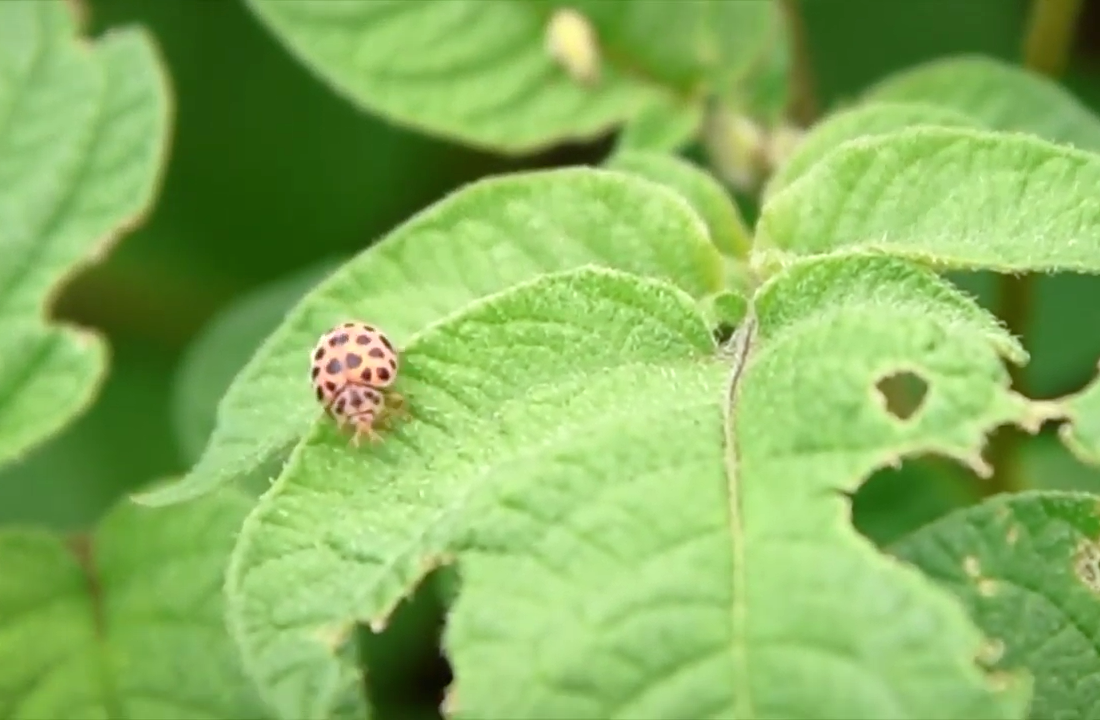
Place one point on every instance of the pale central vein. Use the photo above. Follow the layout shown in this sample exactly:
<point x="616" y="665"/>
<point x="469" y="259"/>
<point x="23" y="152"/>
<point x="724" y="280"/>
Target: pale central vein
<point x="738" y="349"/>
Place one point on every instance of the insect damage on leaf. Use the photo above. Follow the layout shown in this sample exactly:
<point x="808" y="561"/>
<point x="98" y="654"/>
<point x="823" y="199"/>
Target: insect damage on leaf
<point x="902" y="393"/>
<point x="1086" y="565"/>
<point x="987" y="587"/>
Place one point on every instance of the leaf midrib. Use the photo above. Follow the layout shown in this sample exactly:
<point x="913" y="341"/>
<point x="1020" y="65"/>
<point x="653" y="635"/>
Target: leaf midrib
<point x="739" y="349"/>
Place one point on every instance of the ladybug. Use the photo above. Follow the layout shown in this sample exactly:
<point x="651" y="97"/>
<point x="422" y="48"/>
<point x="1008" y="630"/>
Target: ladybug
<point x="352" y="369"/>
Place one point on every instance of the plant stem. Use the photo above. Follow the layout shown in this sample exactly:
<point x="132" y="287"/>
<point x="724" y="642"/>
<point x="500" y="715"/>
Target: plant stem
<point x="803" y="107"/>
<point x="1047" y="46"/>
<point x="1049" y="38"/>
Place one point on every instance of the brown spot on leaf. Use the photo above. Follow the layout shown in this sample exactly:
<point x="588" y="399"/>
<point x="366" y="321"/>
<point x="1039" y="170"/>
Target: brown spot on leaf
<point x="334" y="636"/>
<point x="1086" y="565"/>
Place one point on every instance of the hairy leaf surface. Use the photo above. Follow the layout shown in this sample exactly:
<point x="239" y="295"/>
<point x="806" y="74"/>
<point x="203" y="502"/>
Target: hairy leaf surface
<point x="483" y="239"/>
<point x="858" y="122"/>
<point x="1002" y="96"/>
<point x="627" y="549"/>
<point x="953" y="197"/>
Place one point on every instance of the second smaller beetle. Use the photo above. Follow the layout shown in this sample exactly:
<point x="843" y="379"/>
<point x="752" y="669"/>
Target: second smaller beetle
<point x="352" y="369"/>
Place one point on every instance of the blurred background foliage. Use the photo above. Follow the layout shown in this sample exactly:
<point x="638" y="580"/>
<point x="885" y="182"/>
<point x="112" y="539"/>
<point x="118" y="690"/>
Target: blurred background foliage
<point x="273" y="179"/>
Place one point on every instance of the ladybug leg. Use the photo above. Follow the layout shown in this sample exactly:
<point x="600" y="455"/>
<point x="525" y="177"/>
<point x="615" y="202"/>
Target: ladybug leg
<point x="364" y="426"/>
<point x="396" y="402"/>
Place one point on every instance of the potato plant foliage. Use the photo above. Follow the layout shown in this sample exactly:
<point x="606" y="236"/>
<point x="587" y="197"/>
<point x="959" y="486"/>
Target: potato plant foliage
<point x="637" y="419"/>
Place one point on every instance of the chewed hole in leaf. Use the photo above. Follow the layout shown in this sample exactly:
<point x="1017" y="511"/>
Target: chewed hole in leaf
<point x="1086" y="565"/>
<point x="902" y="393"/>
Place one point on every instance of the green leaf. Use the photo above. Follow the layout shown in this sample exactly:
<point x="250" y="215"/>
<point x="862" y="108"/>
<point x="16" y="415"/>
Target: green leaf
<point x="707" y="44"/>
<point x="223" y="348"/>
<point x="476" y="72"/>
<point x="1000" y="95"/>
<point x="663" y="126"/>
<point x="82" y="142"/>
<point x="961" y="199"/>
<point x="481" y="73"/>
<point x="1082" y="434"/>
<point x="725" y="308"/>
<point x="1027" y="567"/>
<point x="858" y="122"/>
<point x="727" y="230"/>
<point x="481" y="240"/>
<point x="129" y="623"/>
<point x="617" y="558"/>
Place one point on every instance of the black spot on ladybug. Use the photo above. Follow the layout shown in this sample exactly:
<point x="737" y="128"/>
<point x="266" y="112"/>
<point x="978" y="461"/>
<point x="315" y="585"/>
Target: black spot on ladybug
<point x="362" y="340"/>
<point x="386" y="341"/>
<point x="320" y="394"/>
<point x="377" y="352"/>
<point x="342" y="339"/>
<point x="319" y="354"/>
<point x="349" y="325"/>
<point x="340" y="405"/>
<point x="383" y="374"/>
<point x="356" y="400"/>
<point x="366" y="375"/>
<point x="373" y="395"/>
<point x="333" y="366"/>
<point x="330" y="386"/>
<point x="314" y="372"/>
<point x="392" y="363"/>
<point x="353" y="361"/>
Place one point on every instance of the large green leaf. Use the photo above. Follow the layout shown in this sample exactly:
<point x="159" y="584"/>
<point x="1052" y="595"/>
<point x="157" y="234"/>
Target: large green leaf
<point x="129" y="623"/>
<point x="1000" y="95"/>
<point x="82" y="140"/>
<point x="626" y="547"/>
<point x="1027" y="567"/>
<point x="479" y="71"/>
<point x="954" y="197"/>
<point x="480" y="240"/>
<point x="859" y="122"/>
<point x="1004" y="96"/>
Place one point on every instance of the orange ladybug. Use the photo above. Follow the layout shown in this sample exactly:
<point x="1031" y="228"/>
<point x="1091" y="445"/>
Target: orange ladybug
<point x="352" y="369"/>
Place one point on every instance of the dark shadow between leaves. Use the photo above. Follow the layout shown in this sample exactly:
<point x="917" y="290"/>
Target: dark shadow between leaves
<point x="407" y="674"/>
